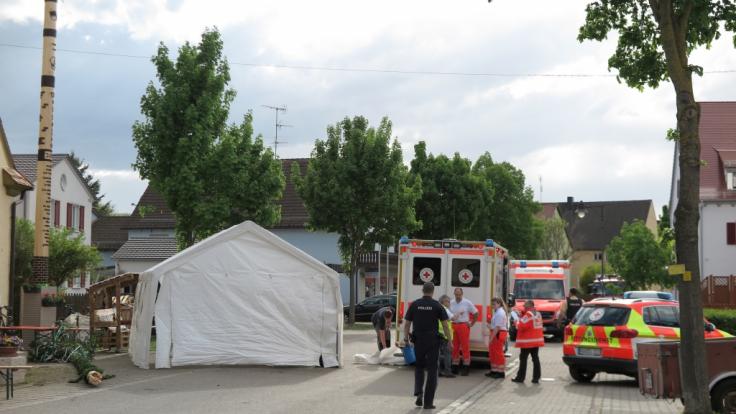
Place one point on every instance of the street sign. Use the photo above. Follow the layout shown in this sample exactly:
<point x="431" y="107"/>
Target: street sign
<point x="687" y="276"/>
<point x="676" y="269"/>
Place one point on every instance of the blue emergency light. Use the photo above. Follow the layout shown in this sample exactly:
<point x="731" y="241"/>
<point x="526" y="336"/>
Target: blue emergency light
<point x="404" y="240"/>
<point x="555" y="264"/>
<point x="489" y="243"/>
<point x="523" y="263"/>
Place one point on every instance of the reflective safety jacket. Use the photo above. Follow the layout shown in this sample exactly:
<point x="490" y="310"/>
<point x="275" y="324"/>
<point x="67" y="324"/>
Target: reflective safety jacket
<point x="530" y="331"/>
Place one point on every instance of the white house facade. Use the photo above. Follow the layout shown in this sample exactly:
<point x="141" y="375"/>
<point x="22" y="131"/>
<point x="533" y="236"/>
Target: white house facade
<point x="71" y="199"/>
<point x="717" y="226"/>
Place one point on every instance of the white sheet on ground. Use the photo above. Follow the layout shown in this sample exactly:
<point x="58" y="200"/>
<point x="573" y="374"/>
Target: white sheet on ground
<point x="385" y="357"/>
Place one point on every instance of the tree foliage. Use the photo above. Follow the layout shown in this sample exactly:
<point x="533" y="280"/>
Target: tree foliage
<point x="211" y="174"/>
<point x="636" y="255"/>
<point x="554" y="243"/>
<point x="101" y="208"/>
<point x="507" y="213"/>
<point x="452" y="197"/>
<point x="357" y="185"/>
<point x="69" y="256"/>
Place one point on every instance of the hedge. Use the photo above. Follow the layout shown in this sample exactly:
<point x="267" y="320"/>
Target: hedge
<point x="723" y="319"/>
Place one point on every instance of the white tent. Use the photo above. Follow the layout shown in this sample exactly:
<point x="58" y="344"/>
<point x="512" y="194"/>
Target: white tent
<point x="242" y="296"/>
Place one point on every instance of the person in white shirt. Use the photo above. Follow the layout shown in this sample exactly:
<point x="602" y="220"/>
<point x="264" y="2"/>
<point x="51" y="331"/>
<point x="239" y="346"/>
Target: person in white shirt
<point x="465" y="316"/>
<point x="499" y="330"/>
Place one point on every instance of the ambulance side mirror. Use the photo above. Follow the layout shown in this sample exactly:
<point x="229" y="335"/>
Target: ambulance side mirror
<point x="511" y="301"/>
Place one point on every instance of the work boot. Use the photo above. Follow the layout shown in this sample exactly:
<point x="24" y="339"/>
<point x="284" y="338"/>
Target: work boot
<point x="420" y="400"/>
<point x="455" y="369"/>
<point x="465" y="371"/>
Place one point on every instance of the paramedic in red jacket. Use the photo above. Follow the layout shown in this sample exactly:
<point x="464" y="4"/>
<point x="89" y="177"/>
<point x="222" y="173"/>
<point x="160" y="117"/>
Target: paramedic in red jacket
<point x="529" y="338"/>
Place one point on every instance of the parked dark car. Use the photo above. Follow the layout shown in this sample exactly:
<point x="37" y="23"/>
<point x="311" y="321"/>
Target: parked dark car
<point x="366" y="308"/>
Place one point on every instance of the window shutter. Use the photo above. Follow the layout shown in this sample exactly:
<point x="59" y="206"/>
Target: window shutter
<point x="82" y="280"/>
<point x="81" y="220"/>
<point x="731" y="233"/>
<point x="57" y="213"/>
<point x="69" y="211"/>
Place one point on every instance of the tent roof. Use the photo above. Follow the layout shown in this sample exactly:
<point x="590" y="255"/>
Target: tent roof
<point x="232" y="233"/>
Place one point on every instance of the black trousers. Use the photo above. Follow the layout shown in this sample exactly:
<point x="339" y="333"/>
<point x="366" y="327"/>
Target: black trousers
<point x="388" y="339"/>
<point x="427" y="350"/>
<point x="525" y="352"/>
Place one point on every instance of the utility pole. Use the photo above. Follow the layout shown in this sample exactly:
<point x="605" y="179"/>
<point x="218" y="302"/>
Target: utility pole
<point x="278" y="125"/>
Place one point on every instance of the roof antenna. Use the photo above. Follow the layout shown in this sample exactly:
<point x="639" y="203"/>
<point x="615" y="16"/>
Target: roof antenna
<point x="276" y="141"/>
<point x="540" y="185"/>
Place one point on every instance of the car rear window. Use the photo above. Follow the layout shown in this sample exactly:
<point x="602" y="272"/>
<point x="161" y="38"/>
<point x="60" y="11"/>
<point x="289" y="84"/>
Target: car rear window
<point x="602" y="316"/>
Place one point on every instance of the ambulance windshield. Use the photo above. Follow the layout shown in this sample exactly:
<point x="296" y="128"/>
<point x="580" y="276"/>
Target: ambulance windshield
<point x="539" y="289"/>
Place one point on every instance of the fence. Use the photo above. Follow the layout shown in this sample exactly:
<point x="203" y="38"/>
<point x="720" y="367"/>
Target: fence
<point x="719" y="291"/>
<point x="76" y="302"/>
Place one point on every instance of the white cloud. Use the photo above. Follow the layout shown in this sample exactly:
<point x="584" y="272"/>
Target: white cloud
<point x="121" y="187"/>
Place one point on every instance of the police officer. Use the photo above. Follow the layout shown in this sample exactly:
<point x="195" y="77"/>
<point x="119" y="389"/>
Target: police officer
<point x="424" y="314"/>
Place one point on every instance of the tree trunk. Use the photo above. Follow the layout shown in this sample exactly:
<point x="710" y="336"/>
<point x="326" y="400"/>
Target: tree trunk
<point x="353" y="283"/>
<point x="692" y="353"/>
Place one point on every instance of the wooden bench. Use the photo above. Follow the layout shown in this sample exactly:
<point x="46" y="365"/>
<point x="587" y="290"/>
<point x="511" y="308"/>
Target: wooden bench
<point x="6" y="371"/>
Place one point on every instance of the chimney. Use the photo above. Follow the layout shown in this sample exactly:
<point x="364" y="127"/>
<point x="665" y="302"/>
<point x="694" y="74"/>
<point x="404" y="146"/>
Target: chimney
<point x="570" y="200"/>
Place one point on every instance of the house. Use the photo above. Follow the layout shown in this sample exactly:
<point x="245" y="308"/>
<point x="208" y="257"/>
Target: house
<point x="717" y="227"/>
<point x="71" y="199"/>
<point x="108" y="236"/>
<point x="590" y="235"/>
<point x="138" y="242"/>
<point x="14" y="184"/>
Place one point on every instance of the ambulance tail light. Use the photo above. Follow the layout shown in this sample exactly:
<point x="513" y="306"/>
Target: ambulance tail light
<point x="625" y="333"/>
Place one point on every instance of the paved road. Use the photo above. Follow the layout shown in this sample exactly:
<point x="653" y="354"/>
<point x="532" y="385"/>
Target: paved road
<point x="351" y="390"/>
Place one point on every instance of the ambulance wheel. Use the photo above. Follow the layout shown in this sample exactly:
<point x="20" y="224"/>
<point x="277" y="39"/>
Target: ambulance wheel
<point x="581" y="375"/>
<point x="723" y="397"/>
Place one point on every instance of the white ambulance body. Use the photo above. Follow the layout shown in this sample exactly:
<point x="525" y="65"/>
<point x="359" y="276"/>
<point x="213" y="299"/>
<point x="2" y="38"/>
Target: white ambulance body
<point x="480" y="268"/>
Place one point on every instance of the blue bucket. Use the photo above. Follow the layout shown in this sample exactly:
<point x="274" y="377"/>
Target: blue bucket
<point x="409" y="356"/>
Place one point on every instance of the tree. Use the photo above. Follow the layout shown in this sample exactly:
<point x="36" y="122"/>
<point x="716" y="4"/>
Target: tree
<point x="666" y="234"/>
<point x="507" y="212"/>
<point x="452" y="197"/>
<point x="554" y="243"/>
<point x="637" y="256"/>
<point x="211" y="174"/>
<point x="101" y="208"/>
<point x="655" y="39"/>
<point x="357" y="185"/>
<point x="68" y="255"/>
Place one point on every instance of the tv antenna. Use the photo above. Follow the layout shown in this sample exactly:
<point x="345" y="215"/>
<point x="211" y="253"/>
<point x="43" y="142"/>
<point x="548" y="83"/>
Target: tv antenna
<point x="540" y="187"/>
<point x="278" y="126"/>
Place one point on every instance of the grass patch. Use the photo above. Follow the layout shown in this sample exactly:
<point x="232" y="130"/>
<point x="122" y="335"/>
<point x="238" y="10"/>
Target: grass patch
<point x="359" y="326"/>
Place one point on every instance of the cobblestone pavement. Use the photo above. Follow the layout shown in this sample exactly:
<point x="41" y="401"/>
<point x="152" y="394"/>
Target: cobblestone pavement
<point x="354" y="389"/>
<point x="558" y="393"/>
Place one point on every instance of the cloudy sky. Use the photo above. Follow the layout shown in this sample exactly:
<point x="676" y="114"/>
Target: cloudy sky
<point x="587" y="137"/>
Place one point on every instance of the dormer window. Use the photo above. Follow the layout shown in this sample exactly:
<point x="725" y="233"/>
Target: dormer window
<point x="730" y="178"/>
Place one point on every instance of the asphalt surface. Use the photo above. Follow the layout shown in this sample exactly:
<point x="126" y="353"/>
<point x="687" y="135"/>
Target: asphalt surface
<point x="352" y="389"/>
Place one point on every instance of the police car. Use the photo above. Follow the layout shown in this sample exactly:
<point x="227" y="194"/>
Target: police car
<point x="604" y="334"/>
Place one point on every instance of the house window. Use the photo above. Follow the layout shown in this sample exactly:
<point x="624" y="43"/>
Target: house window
<point x="75" y="217"/>
<point x="731" y="233"/>
<point x="598" y="256"/>
<point x="731" y="179"/>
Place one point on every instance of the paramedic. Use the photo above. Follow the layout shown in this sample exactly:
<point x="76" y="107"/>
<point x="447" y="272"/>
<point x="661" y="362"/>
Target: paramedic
<point x="529" y="337"/>
<point x="465" y="313"/>
<point x="499" y="331"/>
<point x="423" y="315"/>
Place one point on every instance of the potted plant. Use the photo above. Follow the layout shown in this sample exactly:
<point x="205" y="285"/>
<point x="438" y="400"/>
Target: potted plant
<point x="52" y="300"/>
<point x="32" y="288"/>
<point x="9" y="345"/>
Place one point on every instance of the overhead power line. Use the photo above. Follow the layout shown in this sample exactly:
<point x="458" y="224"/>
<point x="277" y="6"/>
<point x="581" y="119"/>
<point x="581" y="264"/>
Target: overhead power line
<point x="364" y="70"/>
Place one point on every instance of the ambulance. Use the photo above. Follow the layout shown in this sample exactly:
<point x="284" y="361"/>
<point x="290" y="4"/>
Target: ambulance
<point x="546" y="283"/>
<point x="480" y="268"/>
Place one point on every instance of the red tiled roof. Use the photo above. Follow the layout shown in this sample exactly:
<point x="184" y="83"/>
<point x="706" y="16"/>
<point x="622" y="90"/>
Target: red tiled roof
<point x="548" y="211"/>
<point x="717" y="136"/>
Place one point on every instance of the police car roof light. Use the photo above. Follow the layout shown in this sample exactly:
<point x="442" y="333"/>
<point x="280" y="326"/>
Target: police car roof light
<point x="489" y="243"/>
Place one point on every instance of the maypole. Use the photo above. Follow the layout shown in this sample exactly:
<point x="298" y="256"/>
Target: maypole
<point x="45" y="134"/>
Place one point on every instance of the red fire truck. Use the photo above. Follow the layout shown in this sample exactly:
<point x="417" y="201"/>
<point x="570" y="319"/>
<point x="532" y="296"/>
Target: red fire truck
<point x="479" y="267"/>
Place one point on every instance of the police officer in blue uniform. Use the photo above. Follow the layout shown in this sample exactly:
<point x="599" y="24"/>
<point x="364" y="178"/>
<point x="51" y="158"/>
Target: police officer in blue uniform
<point x="424" y="314"/>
